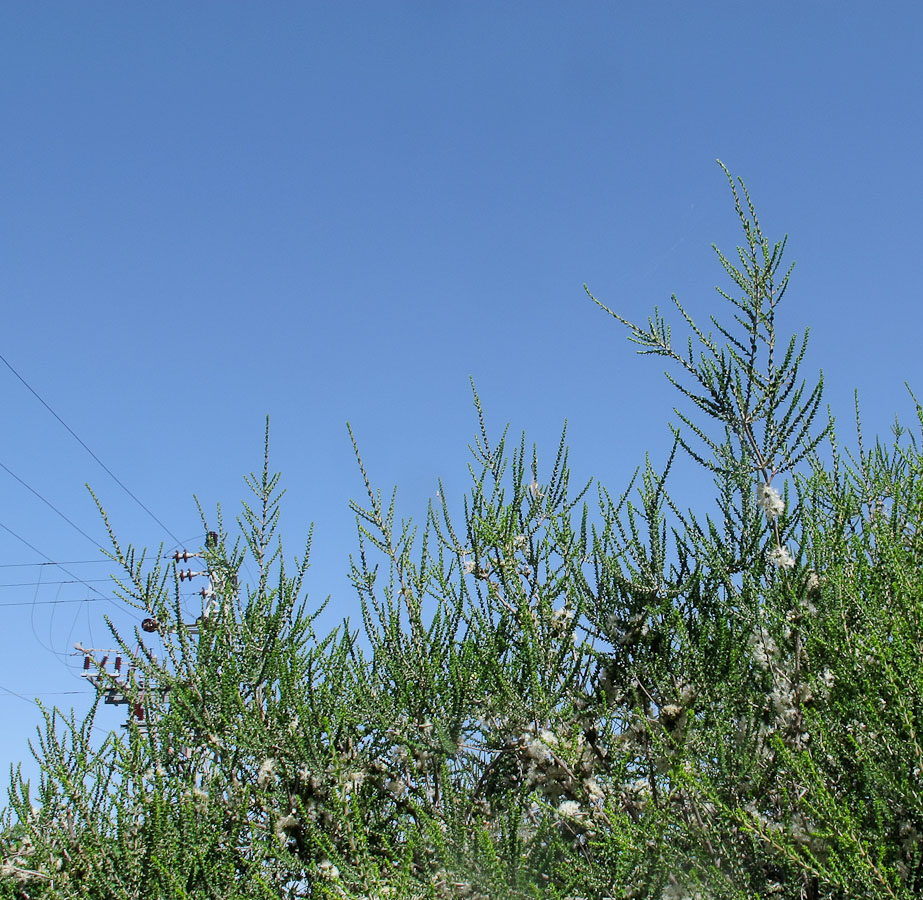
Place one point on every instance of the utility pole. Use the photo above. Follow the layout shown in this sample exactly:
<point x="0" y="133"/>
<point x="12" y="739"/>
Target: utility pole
<point x="117" y="684"/>
<point x="114" y="684"/>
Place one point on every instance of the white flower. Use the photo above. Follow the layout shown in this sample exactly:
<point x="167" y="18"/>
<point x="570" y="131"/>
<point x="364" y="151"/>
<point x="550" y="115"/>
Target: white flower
<point x="676" y="891"/>
<point x="548" y="736"/>
<point x="283" y="824"/>
<point x="763" y="647"/>
<point x="535" y="490"/>
<point x="469" y="567"/>
<point x="520" y="542"/>
<point x="537" y="747"/>
<point x="808" y="607"/>
<point x="781" y="558"/>
<point x="769" y="501"/>
<point x="569" y="808"/>
<point x="783" y="703"/>
<point x="641" y="787"/>
<point x="266" y="770"/>
<point x="672" y="717"/>
<point x="354" y="779"/>
<point x="800" y="828"/>
<point x="594" y="790"/>
<point x="395" y="787"/>
<point x="328" y="869"/>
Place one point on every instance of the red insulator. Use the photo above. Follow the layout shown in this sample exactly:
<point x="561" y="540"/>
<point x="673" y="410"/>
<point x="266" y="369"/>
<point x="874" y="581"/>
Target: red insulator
<point x="86" y="663"/>
<point x="150" y="625"/>
<point x="118" y="664"/>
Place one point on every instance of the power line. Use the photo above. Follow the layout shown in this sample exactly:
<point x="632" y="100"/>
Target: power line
<point x="52" y="602"/>
<point x="9" y="584"/>
<point x="34" y="702"/>
<point x="85" y="447"/>
<point x="68" y="600"/>
<point x="40" y="694"/>
<point x="14" y="694"/>
<point x="49" y="504"/>
<point x="57" y="654"/>
<point x="39" y="552"/>
<point x="72" y="562"/>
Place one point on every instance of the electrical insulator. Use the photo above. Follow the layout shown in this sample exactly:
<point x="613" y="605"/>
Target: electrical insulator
<point x="182" y="557"/>
<point x="211" y="540"/>
<point x="139" y="712"/>
<point x="102" y="665"/>
<point x="188" y="575"/>
<point x="86" y="663"/>
<point x="150" y="625"/>
<point x="118" y="664"/>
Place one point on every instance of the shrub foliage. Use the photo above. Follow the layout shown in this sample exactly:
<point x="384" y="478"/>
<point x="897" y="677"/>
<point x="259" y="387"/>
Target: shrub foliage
<point x="615" y="697"/>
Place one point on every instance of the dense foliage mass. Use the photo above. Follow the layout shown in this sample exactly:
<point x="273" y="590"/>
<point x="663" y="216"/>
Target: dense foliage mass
<point x="644" y="702"/>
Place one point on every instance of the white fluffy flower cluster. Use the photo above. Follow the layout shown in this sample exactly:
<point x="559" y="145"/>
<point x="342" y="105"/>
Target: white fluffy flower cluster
<point x="18" y="867"/>
<point x="327" y="869"/>
<point x="769" y="501"/>
<point x="781" y="558"/>
<point x="266" y="772"/>
<point x="560" y="766"/>
<point x="539" y="748"/>
<point x="762" y="647"/>
<point x="284" y="824"/>
<point x="677" y="890"/>
<point x="561" y="617"/>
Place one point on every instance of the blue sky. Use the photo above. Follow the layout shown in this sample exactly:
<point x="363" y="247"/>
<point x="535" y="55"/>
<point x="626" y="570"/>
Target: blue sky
<point x="328" y="212"/>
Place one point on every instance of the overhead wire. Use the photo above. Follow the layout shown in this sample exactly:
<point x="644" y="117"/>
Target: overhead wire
<point x="39" y="694"/>
<point x="61" y="514"/>
<point x="49" y="504"/>
<point x="66" y="571"/>
<point x="34" y="602"/>
<point x="51" y="602"/>
<point x="109" y="471"/>
<point x="65" y="581"/>
<point x="35" y="702"/>
<point x="31" y="700"/>
<point x="49" y="561"/>
<point x="61" y="657"/>
<point x="71" y="562"/>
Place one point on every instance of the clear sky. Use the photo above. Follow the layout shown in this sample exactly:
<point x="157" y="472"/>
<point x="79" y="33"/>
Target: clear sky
<point x="216" y="211"/>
